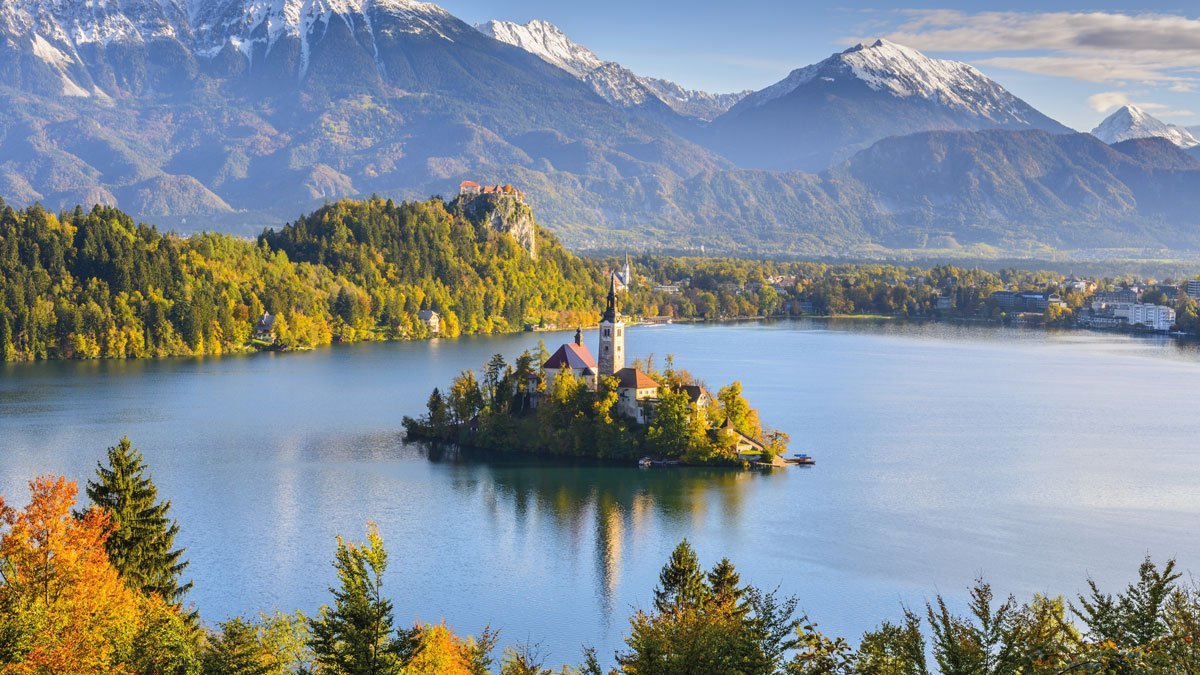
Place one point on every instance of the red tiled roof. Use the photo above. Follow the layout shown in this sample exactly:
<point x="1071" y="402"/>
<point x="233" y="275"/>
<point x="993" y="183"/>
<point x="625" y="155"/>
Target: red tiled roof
<point x="632" y="378"/>
<point x="468" y="184"/>
<point x="572" y="356"/>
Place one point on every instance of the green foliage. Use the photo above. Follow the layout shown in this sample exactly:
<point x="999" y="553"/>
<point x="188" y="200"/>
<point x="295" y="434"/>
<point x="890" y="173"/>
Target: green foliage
<point x="709" y="623"/>
<point x="274" y="645"/>
<point x="356" y="636"/>
<point x="141" y="547"/>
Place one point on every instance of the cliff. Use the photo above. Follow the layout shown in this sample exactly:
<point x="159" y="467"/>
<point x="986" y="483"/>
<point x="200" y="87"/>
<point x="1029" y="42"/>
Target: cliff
<point x="505" y="213"/>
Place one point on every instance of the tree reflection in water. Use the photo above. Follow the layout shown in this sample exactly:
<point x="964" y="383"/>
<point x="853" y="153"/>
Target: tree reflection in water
<point x="613" y="503"/>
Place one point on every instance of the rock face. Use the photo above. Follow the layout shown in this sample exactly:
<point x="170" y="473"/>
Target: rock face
<point x="505" y="214"/>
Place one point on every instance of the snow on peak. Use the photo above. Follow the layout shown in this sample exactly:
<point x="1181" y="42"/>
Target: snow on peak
<point x="546" y="41"/>
<point x="1130" y="122"/>
<point x="611" y="81"/>
<point x="903" y="72"/>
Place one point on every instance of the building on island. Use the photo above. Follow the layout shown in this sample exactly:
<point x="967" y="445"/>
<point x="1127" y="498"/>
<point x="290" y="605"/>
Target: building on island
<point x="748" y="449"/>
<point x="431" y="319"/>
<point x="612" y="334"/>
<point x="636" y="394"/>
<point x="698" y="395"/>
<point x="575" y="357"/>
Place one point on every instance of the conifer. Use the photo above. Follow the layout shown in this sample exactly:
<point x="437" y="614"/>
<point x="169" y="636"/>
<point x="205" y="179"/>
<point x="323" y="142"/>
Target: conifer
<point x="681" y="582"/>
<point x="142" y="545"/>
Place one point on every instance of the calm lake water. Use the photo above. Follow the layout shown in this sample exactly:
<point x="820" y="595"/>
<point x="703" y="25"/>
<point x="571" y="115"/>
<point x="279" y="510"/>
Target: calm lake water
<point x="944" y="453"/>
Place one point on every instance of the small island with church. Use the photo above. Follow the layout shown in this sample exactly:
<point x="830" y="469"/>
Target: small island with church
<point x="572" y="404"/>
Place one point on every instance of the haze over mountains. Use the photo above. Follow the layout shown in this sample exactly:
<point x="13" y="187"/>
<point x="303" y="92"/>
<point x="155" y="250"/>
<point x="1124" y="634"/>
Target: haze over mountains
<point x="237" y="114"/>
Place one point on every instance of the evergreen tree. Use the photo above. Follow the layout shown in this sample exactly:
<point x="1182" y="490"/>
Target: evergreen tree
<point x="355" y="636"/>
<point x="681" y="581"/>
<point x="141" y="547"/>
<point x="437" y="412"/>
<point x="236" y="651"/>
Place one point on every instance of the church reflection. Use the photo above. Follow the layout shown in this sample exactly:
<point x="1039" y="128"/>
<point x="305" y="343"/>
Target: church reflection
<point x="604" y="506"/>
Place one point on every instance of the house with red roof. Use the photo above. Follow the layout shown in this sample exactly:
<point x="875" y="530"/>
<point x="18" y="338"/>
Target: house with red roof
<point x="575" y="357"/>
<point x="636" y="394"/>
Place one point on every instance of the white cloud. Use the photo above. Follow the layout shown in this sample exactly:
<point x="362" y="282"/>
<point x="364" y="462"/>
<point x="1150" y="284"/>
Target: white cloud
<point x="1091" y="46"/>
<point x="1105" y="101"/>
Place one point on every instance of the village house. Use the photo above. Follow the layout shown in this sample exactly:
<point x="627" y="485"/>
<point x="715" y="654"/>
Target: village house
<point x="264" y="329"/>
<point x="636" y="394"/>
<point x="431" y="319"/>
<point x="748" y="449"/>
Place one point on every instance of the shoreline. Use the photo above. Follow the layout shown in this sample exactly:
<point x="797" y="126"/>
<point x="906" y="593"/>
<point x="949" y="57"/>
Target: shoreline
<point x="250" y="351"/>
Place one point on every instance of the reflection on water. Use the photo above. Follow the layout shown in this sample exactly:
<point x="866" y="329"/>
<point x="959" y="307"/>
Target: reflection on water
<point x="944" y="452"/>
<point x="596" y="505"/>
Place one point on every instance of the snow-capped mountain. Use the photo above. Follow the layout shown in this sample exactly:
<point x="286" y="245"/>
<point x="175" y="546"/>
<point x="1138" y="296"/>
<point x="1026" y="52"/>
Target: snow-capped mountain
<point x="1130" y="122"/>
<point x="613" y="82"/>
<point x="547" y="41"/>
<point x="822" y="113"/>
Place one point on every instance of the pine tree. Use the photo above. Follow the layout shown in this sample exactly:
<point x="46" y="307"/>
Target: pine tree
<point x="681" y="582"/>
<point x="355" y="636"/>
<point x="141" y="547"/>
<point x="236" y="651"/>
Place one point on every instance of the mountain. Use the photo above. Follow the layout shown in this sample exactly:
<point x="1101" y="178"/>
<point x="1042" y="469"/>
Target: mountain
<point x="239" y="113"/>
<point x="1130" y="122"/>
<point x="821" y="114"/>
<point x="997" y="189"/>
<point x="612" y="81"/>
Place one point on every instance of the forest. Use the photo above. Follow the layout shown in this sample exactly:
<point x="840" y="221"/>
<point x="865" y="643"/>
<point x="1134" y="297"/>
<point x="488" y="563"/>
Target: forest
<point x="100" y="587"/>
<point x="95" y="284"/>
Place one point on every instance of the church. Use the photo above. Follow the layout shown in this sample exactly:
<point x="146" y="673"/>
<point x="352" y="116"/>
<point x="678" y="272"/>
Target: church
<point x="637" y="392"/>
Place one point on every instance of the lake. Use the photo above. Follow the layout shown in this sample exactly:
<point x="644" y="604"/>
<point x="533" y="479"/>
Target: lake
<point x="943" y="453"/>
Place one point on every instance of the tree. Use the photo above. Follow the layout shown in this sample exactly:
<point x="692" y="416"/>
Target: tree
<point x="65" y="608"/>
<point x="893" y="649"/>
<point x="236" y="651"/>
<point x="355" y="636"/>
<point x="681" y="583"/>
<point x="142" y="545"/>
<point x="437" y="412"/>
<point x="465" y="398"/>
<point x="738" y="410"/>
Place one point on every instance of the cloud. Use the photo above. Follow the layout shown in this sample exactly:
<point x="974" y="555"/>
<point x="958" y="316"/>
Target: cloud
<point x="1092" y="46"/>
<point x="1106" y="101"/>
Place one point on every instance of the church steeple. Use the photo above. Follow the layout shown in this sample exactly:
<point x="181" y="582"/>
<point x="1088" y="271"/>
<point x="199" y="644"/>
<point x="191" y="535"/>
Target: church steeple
<point x="612" y="334"/>
<point x="610" y="312"/>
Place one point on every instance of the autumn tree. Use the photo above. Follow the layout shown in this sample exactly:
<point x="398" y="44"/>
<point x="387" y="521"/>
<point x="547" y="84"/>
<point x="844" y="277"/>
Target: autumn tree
<point x="65" y="608"/>
<point x="142" y="545"/>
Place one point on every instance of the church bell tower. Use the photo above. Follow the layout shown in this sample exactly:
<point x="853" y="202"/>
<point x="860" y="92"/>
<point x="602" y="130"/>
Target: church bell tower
<point x="612" y="334"/>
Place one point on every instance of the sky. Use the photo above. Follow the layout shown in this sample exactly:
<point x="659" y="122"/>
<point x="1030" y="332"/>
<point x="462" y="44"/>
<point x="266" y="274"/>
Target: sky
<point x="1076" y="62"/>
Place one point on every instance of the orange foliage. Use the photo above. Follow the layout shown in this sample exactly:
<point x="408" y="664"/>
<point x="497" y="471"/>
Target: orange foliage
<point x="440" y="652"/>
<point x="63" y="608"/>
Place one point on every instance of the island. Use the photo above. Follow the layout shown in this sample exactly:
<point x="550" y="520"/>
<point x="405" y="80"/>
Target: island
<point x="570" y="403"/>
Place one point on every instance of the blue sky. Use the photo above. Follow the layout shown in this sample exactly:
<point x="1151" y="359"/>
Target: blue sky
<point x="1074" y="61"/>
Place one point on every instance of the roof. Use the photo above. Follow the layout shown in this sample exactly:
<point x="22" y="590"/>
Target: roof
<point x="426" y="314"/>
<point x="632" y="378"/>
<point x="468" y="184"/>
<point x="695" y="391"/>
<point x="572" y="356"/>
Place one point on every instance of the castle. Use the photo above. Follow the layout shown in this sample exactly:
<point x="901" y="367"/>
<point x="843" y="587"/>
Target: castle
<point x="469" y="188"/>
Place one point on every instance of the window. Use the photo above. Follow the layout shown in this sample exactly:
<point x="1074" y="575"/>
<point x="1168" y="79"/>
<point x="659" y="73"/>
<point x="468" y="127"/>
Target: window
<point x="606" y="332"/>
